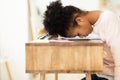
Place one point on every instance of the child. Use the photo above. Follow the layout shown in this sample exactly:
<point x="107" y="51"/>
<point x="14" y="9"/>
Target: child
<point x="70" y="21"/>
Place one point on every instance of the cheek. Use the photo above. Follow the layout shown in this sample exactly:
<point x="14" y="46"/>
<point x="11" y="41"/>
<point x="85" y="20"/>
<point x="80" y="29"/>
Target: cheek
<point x="86" y="28"/>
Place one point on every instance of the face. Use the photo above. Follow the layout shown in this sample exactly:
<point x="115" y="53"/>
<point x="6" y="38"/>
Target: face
<point x="82" y="29"/>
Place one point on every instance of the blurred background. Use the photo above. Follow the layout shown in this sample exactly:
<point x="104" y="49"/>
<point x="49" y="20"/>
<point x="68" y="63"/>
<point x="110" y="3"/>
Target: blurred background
<point x="20" y="22"/>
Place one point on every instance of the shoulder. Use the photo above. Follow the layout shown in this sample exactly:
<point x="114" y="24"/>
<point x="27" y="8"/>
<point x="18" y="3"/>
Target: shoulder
<point x="109" y="14"/>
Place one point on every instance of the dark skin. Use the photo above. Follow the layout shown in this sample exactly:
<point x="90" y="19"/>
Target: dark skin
<point x="84" y="24"/>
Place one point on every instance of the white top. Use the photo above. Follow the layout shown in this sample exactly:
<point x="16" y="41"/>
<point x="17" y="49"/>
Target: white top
<point x="108" y="28"/>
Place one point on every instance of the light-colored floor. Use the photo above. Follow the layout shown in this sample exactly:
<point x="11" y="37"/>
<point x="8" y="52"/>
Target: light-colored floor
<point x="61" y="76"/>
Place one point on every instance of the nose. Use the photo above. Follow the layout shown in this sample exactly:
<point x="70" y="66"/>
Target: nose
<point x="82" y="35"/>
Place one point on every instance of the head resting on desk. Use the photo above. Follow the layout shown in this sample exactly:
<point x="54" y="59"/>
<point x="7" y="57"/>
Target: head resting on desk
<point x="66" y="21"/>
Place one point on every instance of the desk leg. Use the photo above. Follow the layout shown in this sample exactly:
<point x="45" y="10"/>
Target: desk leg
<point x="88" y="76"/>
<point x="56" y="76"/>
<point x="42" y="76"/>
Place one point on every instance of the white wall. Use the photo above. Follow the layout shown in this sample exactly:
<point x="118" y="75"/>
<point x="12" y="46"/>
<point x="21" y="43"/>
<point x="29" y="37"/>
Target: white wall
<point x="13" y="35"/>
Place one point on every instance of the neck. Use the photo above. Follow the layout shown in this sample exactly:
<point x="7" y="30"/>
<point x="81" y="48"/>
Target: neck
<point x="93" y="16"/>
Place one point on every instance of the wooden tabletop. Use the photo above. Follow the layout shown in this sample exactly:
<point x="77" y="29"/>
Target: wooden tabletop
<point x="65" y="42"/>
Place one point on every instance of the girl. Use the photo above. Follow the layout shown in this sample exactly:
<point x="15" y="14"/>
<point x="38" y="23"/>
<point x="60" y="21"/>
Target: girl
<point x="70" y="21"/>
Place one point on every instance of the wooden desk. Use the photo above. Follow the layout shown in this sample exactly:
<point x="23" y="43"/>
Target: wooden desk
<point x="64" y="57"/>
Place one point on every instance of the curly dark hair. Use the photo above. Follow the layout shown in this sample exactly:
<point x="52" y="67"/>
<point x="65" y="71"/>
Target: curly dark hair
<point x="57" y="18"/>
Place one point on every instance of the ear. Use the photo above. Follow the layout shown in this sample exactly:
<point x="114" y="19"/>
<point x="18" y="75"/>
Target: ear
<point x="79" y="19"/>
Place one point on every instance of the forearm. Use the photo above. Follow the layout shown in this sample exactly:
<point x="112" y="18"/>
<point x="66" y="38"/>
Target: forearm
<point x="117" y="66"/>
<point x="115" y="49"/>
<point x="116" y="55"/>
<point x="117" y="73"/>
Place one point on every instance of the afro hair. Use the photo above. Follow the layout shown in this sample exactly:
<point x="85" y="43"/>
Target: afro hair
<point x="57" y="18"/>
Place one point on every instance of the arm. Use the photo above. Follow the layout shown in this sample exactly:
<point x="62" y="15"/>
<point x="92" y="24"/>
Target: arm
<point x="113" y="41"/>
<point x="115" y="49"/>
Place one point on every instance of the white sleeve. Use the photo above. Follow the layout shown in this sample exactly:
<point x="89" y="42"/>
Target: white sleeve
<point x="113" y="40"/>
<point x="115" y="49"/>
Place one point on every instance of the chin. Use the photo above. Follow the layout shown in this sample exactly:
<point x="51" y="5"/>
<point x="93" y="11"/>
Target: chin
<point x="90" y="32"/>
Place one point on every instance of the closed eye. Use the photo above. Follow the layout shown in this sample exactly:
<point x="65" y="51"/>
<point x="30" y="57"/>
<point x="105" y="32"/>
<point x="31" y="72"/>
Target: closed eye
<point x="78" y="34"/>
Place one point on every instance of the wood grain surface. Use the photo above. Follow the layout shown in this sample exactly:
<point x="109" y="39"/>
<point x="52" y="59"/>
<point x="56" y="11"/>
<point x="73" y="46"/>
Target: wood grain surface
<point x="73" y="56"/>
